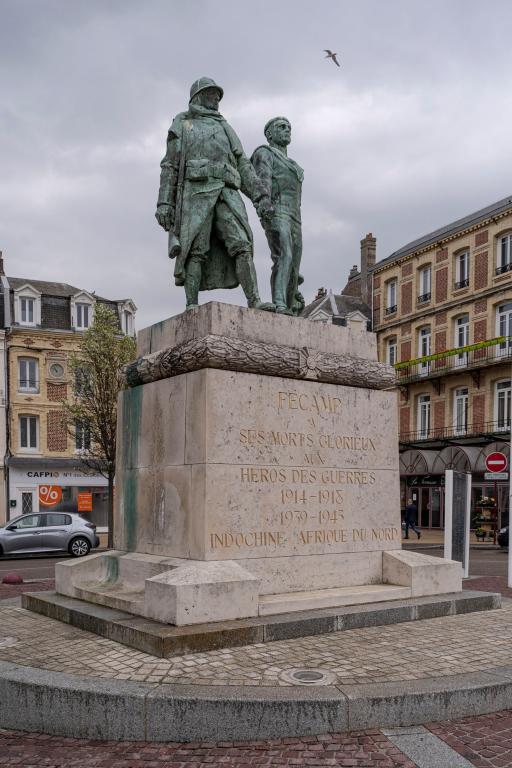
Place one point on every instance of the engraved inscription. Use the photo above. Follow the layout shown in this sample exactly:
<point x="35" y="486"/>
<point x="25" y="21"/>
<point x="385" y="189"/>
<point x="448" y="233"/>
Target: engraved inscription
<point x="307" y="481"/>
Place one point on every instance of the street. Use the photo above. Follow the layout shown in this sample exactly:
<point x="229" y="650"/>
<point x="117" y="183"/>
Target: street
<point x="35" y="567"/>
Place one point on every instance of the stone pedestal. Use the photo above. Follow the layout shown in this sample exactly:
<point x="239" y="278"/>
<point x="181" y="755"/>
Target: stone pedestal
<point x="257" y="473"/>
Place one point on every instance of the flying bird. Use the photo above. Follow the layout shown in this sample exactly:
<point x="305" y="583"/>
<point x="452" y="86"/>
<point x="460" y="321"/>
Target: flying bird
<point x="331" y="55"/>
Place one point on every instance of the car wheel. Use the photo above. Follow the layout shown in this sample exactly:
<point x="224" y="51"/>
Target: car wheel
<point x="79" y="546"/>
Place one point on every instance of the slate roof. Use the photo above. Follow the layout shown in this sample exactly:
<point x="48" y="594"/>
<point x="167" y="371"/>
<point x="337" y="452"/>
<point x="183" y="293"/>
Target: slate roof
<point x="49" y="288"/>
<point x="449" y="229"/>
<point x="344" y="305"/>
<point x="55" y="301"/>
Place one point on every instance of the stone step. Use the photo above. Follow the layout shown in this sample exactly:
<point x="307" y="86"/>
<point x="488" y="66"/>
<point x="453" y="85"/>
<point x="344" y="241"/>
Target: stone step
<point x="330" y="598"/>
<point x="123" y="598"/>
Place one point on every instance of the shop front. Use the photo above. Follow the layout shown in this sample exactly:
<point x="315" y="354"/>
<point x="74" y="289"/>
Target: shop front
<point x="58" y="486"/>
<point x="422" y="478"/>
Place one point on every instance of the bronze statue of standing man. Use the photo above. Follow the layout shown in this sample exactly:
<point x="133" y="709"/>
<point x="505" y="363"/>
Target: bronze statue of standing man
<point x="282" y="181"/>
<point x="199" y="202"/>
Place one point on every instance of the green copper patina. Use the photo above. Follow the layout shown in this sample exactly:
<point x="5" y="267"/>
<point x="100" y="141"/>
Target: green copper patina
<point x="199" y="202"/>
<point x="282" y="181"/>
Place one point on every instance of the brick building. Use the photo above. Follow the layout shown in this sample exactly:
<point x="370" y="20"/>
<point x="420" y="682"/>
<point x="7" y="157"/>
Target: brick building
<point x="442" y="311"/>
<point x="43" y="322"/>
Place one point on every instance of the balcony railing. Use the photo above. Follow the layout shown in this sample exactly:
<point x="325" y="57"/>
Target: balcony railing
<point x="424" y="298"/>
<point x="390" y="310"/>
<point x="501" y="428"/>
<point x="504" y="268"/>
<point x="472" y="356"/>
<point x="461" y="284"/>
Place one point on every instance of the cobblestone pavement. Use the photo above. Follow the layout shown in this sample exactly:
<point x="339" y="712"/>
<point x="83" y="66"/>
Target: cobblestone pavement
<point x="434" y="648"/>
<point x="485" y="741"/>
<point x="368" y="749"/>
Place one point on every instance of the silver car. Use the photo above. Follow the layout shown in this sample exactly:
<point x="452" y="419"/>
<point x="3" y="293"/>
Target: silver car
<point x="48" y="532"/>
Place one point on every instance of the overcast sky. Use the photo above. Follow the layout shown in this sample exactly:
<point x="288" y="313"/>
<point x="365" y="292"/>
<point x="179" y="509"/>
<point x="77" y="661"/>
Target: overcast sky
<point x="412" y="132"/>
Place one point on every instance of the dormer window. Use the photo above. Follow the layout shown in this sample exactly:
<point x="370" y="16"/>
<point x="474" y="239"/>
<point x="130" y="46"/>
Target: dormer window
<point x="82" y="310"/>
<point x="27" y="310"/>
<point x="127" y="323"/>
<point x="27" y="306"/>
<point x="126" y="310"/>
<point x="83" y="316"/>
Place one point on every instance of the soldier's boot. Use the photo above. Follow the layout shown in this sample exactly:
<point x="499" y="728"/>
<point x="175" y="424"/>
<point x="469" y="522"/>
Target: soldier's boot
<point x="192" y="282"/>
<point x="246" y="275"/>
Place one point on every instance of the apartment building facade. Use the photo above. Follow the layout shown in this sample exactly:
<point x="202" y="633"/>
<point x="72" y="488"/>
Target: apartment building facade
<point x="43" y="322"/>
<point x="442" y="311"/>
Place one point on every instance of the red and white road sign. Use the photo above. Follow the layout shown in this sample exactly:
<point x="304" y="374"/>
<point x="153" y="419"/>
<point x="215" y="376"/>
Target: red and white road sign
<point x="496" y="462"/>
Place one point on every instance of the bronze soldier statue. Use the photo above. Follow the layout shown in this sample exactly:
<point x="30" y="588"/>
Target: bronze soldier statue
<point x="199" y="202"/>
<point x="282" y="180"/>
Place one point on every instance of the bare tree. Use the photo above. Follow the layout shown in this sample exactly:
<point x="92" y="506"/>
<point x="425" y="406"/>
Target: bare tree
<point x="91" y="414"/>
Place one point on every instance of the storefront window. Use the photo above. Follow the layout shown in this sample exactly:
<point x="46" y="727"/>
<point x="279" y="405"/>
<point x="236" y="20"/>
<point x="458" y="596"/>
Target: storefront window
<point x="90" y="502"/>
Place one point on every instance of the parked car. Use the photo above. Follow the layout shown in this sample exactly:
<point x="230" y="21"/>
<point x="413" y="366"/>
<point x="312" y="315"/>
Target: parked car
<point x="503" y="537"/>
<point x="48" y="532"/>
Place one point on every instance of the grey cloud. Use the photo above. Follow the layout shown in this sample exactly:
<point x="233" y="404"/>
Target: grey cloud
<point x="411" y="133"/>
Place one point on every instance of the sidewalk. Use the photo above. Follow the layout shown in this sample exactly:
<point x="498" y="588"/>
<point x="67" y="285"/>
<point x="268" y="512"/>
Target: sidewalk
<point x="435" y="537"/>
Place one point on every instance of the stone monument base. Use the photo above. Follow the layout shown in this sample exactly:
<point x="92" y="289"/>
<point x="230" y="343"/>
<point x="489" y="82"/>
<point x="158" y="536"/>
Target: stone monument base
<point x="165" y="640"/>
<point x="194" y="592"/>
<point x="257" y="474"/>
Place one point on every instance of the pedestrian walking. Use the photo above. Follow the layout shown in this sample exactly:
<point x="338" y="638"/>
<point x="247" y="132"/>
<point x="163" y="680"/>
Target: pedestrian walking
<point x="411" y="518"/>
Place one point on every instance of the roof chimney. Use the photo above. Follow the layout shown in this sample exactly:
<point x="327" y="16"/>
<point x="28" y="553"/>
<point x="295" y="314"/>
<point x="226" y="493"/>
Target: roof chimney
<point x="368" y="258"/>
<point x="321" y="292"/>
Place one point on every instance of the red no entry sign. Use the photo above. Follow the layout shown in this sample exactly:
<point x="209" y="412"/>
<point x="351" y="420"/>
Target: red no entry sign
<point x="496" y="462"/>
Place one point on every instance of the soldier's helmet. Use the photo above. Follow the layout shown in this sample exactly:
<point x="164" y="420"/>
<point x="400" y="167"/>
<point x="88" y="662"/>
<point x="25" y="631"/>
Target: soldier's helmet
<point x="201" y="84"/>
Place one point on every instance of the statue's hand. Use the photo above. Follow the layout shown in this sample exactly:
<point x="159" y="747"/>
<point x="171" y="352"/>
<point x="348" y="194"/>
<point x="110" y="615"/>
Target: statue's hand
<point x="165" y="215"/>
<point x="264" y="209"/>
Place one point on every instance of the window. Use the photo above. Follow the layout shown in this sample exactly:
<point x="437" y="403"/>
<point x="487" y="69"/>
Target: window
<point x="29" y="429"/>
<point x="83" y="316"/>
<point x="462" y="270"/>
<point x="27" y="305"/>
<point x="504" y="255"/>
<point x="423" y="416"/>
<point x="53" y="518"/>
<point x="391" y="297"/>
<point x="27" y="311"/>
<point x="424" y="348"/>
<point x="27" y="502"/>
<point x="504" y="327"/>
<point x="128" y="323"/>
<point x="461" y="339"/>
<point x="391" y="355"/>
<point x="82" y="436"/>
<point x="502" y="404"/>
<point x="31" y="521"/>
<point x="28" y="374"/>
<point x="460" y="410"/>
<point x="425" y="283"/>
<point x="82" y="381"/>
